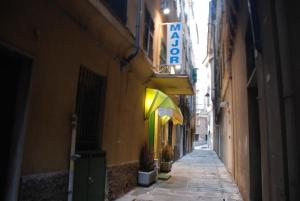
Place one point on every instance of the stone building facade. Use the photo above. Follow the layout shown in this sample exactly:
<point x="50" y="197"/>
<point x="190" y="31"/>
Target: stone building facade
<point x="256" y="95"/>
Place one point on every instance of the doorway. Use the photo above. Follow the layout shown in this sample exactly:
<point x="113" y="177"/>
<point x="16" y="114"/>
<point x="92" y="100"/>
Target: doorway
<point x="90" y="167"/>
<point x="15" y="72"/>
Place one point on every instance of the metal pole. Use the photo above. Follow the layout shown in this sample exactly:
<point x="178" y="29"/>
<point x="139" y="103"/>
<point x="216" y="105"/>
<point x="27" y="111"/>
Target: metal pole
<point x="72" y="157"/>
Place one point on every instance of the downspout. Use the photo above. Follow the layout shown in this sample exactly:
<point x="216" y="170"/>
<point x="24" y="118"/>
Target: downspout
<point x="127" y="60"/>
<point x="72" y="157"/>
<point x="207" y="42"/>
<point x="233" y="127"/>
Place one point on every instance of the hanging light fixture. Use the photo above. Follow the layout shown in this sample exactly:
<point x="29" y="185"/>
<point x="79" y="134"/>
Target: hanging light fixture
<point x="166" y="11"/>
<point x="165" y="6"/>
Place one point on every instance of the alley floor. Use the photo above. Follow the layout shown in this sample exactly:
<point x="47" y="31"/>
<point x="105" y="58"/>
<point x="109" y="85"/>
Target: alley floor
<point x="199" y="176"/>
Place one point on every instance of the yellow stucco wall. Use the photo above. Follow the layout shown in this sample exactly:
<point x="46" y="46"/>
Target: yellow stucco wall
<point x="59" y="44"/>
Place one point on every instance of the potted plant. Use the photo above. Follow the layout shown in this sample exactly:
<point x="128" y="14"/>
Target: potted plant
<point x="166" y="160"/>
<point x="147" y="172"/>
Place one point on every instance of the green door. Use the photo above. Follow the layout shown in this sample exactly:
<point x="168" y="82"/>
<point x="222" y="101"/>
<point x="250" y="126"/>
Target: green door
<point x="80" y="187"/>
<point x="96" y="180"/>
<point x="89" y="177"/>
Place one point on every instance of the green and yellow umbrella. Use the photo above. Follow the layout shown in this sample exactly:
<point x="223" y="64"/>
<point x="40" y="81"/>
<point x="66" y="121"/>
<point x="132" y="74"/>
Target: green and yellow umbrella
<point x="156" y="99"/>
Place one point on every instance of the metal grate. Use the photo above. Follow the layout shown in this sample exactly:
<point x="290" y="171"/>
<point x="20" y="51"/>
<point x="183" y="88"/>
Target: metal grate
<point x="89" y="109"/>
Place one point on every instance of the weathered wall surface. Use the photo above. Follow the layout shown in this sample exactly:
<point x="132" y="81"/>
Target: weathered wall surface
<point x="240" y="106"/>
<point x="226" y="152"/>
<point x="121" y="179"/>
<point x="53" y="185"/>
<point x="273" y="90"/>
<point x="59" y="44"/>
<point x="232" y="140"/>
<point x="275" y="77"/>
<point x="59" y="49"/>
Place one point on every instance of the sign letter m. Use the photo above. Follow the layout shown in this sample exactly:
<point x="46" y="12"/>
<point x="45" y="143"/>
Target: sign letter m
<point x="175" y="27"/>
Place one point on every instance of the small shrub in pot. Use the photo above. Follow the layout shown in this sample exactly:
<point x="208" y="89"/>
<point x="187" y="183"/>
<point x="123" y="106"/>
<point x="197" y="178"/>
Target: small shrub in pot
<point x="146" y="159"/>
<point x="167" y="157"/>
<point x="147" y="173"/>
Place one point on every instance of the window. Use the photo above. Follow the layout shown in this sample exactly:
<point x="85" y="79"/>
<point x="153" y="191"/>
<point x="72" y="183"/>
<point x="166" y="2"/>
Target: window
<point x="163" y="52"/>
<point x="119" y="8"/>
<point x="148" y="34"/>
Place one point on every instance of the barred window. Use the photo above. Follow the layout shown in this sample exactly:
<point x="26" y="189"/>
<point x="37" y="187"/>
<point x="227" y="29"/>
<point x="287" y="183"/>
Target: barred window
<point x="148" y="34"/>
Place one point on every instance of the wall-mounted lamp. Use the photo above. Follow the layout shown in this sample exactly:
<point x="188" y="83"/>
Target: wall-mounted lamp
<point x="165" y="6"/>
<point x="178" y="67"/>
<point x="166" y="11"/>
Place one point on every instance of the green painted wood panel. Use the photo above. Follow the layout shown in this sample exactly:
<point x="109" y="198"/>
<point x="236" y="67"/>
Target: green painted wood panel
<point x="97" y="174"/>
<point x="89" y="178"/>
<point x="81" y="172"/>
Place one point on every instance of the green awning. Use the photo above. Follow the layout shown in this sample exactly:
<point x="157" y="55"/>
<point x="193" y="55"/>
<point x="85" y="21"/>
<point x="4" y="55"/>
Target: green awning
<point x="156" y="99"/>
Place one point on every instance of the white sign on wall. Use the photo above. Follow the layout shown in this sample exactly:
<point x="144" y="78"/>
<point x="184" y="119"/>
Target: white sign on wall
<point x="174" y="43"/>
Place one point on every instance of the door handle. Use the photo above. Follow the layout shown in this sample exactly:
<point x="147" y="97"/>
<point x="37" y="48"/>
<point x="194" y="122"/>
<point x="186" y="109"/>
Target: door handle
<point x="75" y="156"/>
<point x="90" y="180"/>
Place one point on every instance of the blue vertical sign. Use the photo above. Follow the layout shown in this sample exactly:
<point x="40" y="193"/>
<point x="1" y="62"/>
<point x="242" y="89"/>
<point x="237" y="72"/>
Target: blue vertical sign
<point x="174" y="43"/>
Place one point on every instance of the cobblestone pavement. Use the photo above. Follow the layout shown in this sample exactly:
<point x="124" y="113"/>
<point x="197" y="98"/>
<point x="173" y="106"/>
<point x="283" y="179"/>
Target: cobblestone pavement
<point x="199" y="176"/>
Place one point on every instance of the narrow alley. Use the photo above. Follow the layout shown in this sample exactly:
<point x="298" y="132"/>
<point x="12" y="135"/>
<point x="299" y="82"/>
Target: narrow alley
<point x="199" y="176"/>
<point x="150" y="100"/>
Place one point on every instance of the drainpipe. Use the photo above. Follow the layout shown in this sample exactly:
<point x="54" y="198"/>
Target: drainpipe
<point x="127" y="60"/>
<point x="72" y="157"/>
<point x="213" y="39"/>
